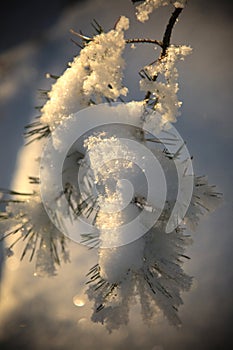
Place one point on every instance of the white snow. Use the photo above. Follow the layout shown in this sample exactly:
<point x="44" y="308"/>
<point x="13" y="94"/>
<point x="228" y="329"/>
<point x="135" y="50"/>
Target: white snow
<point x="94" y="74"/>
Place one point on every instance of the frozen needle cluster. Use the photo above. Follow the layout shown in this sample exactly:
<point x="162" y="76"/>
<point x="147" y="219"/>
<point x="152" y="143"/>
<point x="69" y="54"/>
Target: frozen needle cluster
<point x="26" y="220"/>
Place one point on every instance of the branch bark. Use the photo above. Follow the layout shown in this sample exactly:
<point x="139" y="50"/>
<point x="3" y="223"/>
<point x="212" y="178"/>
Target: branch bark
<point x="144" y="40"/>
<point x="169" y="28"/>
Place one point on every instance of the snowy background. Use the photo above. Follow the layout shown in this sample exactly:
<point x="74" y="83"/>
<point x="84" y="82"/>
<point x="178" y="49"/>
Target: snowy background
<point x="41" y="313"/>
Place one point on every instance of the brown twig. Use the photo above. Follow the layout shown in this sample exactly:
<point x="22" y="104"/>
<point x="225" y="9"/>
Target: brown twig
<point x="142" y="41"/>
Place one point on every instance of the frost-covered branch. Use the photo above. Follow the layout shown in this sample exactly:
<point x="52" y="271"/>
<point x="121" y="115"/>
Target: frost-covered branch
<point x="147" y="268"/>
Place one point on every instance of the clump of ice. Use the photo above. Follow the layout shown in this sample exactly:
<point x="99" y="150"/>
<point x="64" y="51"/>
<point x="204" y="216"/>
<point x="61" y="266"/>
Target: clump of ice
<point x="96" y="73"/>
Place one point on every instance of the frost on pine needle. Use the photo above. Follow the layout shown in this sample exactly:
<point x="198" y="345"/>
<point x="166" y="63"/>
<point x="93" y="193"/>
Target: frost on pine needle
<point x="205" y="199"/>
<point x="148" y="6"/>
<point x="164" y="92"/>
<point x="92" y="76"/>
<point x="25" y="220"/>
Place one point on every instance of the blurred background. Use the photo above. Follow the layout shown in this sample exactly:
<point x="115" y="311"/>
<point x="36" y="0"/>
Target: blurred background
<point x="37" y="313"/>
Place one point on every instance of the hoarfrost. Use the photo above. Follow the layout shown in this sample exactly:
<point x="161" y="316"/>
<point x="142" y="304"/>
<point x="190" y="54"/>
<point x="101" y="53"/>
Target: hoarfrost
<point x="94" y="74"/>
